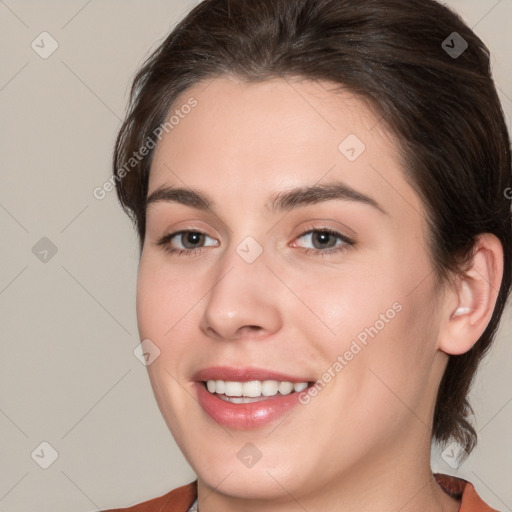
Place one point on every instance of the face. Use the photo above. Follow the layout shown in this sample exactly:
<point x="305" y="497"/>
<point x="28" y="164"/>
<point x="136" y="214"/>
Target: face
<point x="304" y="264"/>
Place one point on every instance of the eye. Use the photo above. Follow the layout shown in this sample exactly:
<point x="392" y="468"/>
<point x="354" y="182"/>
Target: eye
<point x="185" y="242"/>
<point x="192" y="242"/>
<point x="324" y="240"/>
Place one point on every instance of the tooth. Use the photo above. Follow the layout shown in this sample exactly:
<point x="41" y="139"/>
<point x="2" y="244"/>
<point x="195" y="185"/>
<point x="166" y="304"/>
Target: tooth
<point x="300" y="386"/>
<point x="285" y="388"/>
<point x="269" y="387"/>
<point x="252" y="388"/>
<point x="233" y="388"/>
<point x="219" y="386"/>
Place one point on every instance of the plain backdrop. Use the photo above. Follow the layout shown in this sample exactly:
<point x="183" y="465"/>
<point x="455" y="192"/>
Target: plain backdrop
<point x="68" y="373"/>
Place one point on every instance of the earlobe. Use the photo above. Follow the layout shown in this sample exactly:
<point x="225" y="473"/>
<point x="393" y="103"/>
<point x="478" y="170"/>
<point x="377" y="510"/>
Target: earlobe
<point x="473" y="298"/>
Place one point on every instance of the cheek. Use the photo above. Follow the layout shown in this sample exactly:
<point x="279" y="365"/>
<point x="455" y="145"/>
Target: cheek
<point x="162" y="307"/>
<point x="395" y="360"/>
<point x="150" y="306"/>
<point x="377" y="318"/>
<point x="347" y="302"/>
<point x="165" y="299"/>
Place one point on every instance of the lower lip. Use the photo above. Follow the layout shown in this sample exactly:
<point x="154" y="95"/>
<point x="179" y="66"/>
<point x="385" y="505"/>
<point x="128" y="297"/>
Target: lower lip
<point x="245" y="416"/>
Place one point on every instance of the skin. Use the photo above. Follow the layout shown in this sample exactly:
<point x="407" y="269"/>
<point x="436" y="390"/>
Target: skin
<point x="364" y="440"/>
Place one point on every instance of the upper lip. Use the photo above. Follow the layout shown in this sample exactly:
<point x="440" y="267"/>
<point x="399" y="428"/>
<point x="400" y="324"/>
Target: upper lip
<point x="240" y="374"/>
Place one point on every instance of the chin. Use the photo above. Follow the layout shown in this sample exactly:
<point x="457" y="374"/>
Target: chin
<point x="250" y="484"/>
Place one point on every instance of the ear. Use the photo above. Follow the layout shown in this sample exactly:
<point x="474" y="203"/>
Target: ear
<point x="470" y="302"/>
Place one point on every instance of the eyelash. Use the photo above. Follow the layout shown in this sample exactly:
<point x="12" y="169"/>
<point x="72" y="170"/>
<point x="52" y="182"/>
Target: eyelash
<point x="347" y="243"/>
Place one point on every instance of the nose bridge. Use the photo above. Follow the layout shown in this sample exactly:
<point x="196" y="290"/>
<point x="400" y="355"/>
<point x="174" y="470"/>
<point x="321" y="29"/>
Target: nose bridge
<point x="241" y="294"/>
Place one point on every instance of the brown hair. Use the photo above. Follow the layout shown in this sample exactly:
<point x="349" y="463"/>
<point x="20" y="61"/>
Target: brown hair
<point x="403" y="57"/>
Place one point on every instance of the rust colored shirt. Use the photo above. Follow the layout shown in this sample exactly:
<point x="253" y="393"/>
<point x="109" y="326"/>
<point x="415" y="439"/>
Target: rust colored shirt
<point x="182" y="498"/>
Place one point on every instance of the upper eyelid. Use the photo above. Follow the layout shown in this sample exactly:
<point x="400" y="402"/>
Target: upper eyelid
<point x="346" y="240"/>
<point x="305" y="231"/>
<point x="172" y="234"/>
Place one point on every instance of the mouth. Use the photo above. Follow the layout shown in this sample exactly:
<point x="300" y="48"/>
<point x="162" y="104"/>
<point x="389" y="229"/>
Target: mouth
<point x="247" y="398"/>
<point x="238" y="392"/>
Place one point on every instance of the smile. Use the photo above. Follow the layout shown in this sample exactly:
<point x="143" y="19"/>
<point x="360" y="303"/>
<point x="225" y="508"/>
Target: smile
<point x="247" y="398"/>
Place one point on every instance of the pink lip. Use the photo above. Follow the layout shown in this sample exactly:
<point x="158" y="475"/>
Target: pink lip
<point x="244" y="374"/>
<point x="244" y="416"/>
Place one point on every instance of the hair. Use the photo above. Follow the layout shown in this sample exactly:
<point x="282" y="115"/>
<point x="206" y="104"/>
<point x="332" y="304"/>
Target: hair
<point x="442" y="108"/>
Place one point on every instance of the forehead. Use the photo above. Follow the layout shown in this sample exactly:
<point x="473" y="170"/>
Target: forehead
<point x="247" y="140"/>
<point x="280" y="118"/>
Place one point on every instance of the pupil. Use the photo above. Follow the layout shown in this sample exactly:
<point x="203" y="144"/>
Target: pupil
<point x="192" y="238"/>
<point x="323" y="237"/>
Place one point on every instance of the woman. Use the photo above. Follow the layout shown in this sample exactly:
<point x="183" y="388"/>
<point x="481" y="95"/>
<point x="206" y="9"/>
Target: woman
<point x="319" y="191"/>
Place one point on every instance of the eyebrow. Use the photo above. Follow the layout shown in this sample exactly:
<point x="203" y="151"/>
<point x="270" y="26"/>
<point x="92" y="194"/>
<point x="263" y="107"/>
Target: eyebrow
<point x="279" y="202"/>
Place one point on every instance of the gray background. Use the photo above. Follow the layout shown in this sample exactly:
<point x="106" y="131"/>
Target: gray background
<point x="68" y="373"/>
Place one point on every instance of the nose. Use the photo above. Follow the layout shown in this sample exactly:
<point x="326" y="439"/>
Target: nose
<point x="241" y="302"/>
